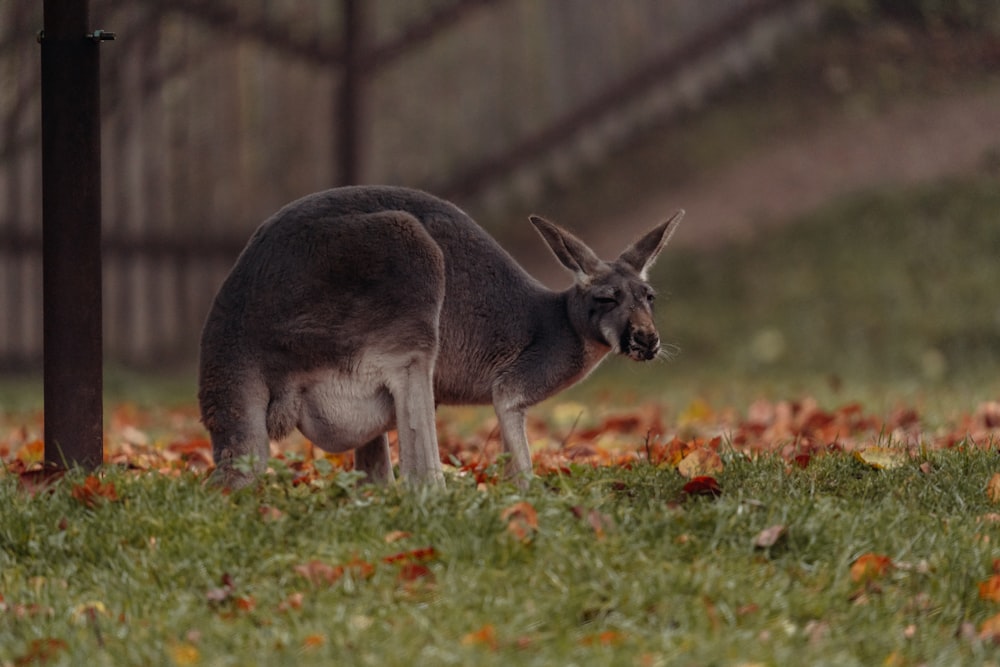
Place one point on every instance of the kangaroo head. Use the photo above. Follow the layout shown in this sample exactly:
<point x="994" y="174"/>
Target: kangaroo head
<point x="611" y="303"/>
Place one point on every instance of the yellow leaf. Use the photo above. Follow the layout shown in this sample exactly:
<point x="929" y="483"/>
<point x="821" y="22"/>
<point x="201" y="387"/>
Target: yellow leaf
<point x="883" y="458"/>
<point x="702" y="462"/>
<point x="993" y="488"/>
<point x="698" y="411"/>
<point x="185" y="654"/>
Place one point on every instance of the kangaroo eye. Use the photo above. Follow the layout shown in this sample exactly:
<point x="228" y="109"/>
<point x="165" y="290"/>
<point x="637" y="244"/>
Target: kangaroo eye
<point x="607" y="299"/>
<point x="650" y="298"/>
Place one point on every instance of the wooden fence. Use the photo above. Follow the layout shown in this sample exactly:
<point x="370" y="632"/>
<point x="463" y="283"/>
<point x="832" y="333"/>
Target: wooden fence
<point x="216" y="112"/>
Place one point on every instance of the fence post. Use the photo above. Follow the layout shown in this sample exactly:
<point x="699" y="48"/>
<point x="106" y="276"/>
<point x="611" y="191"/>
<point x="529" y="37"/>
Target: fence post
<point x="349" y="95"/>
<point x="71" y="235"/>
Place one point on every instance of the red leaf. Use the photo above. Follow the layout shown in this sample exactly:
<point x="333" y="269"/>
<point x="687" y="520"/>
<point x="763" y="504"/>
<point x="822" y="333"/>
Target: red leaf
<point x="414" y="571"/>
<point x="42" y="479"/>
<point x="412" y="556"/>
<point x="41" y="651"/>
<point x="703" y="486"/>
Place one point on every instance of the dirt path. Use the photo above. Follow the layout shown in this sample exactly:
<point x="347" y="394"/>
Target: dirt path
<point x="913" y="142"/>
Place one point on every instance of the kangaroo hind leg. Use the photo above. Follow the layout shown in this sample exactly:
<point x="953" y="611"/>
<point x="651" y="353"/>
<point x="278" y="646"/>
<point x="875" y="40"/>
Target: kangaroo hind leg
<point x="372" y="458"/>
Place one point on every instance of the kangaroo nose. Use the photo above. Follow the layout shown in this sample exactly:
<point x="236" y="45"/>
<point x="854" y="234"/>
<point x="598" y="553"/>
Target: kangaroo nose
<point x="645" y="344"/>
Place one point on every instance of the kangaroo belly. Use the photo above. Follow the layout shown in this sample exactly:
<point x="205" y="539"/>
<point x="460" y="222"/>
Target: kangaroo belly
<point x="340" y="411"/>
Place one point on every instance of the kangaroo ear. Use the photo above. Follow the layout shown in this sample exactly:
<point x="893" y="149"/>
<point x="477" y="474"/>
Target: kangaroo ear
<point x="569" y="250"/>
<point x="642" y="254"/>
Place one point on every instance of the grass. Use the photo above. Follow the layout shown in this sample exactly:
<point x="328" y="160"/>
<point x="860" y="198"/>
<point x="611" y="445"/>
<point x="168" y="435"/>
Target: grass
<point x="622" y="569"/>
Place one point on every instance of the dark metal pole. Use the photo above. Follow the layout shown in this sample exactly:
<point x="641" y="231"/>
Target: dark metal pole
<point x="349" y="94"/>
<point x="71" y="235"/>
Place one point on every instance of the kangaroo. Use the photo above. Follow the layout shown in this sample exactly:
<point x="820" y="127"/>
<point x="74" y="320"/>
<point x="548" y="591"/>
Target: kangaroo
<point x="359" y="309"/>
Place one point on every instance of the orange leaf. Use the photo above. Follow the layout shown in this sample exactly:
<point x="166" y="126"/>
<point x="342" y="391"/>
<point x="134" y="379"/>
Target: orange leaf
<point x="870" y="566"/>
<point x="990" y="629"/>
<point x="702" y="462"/>
<point x="522" y="520"/>
<point x="32" y="452"/>
<point x="484" y="636"/>
<point x="245" y="603"/>
<point x="313" y="641"/>
<point x="990" y="589"/>
<point x="606" y="638"/>
<point x="93" y="489"/>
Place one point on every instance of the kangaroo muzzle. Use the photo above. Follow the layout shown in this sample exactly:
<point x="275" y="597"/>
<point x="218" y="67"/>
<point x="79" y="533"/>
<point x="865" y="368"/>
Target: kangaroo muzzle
<point x="640" y="343"/>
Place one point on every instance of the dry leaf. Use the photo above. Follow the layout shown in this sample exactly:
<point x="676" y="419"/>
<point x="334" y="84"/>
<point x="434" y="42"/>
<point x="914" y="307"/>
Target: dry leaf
<point x="870" y="566"/>
<point x="882" y="458"/>
<point x="990" y="589"/>
<point x="990" y="629"/>
<point x="522" y="520"/>
<point x="92" y="489"/>
<point x="993" y="488"/>
<point x="703" y="486"/>
<point x="484" y="636"/>
<point x="702" y="462"/>
<point x="395" y="536"/>
<point x="769" y="536"/>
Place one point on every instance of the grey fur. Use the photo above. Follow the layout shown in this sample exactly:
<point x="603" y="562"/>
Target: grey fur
<point x="358" y="309"/>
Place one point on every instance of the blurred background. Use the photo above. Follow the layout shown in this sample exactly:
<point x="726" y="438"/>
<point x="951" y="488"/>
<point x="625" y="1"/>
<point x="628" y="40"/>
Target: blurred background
<point x="839" y="161"/>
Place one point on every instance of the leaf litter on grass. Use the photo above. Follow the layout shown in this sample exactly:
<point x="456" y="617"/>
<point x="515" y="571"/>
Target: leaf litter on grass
<point x="173" y="442"/>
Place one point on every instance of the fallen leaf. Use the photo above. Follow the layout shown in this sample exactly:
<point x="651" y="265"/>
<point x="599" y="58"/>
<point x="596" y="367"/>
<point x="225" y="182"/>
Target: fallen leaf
<point x="606" y="638"/>
<point x="702" y="462"/>
<point x="993" y="488"/>
<point x="40" y="479"/>
<point x="882" y="458"/>
<point x="318" y="572"/>
<point x="313" y="641"/>
<point x="703" y="486"/>
<point x="185" y="654"/>
<point x="414" y="571"/>
<point x="522" y="520"/>
<point x="41" y="651"/>
<point x="291" y="603"/>
<point x="769" y="536"/>
<point x="268" y="513"/>
<point x="990" y="629"/>
<point x="395" y="536"/>
<point x="92" y="490"/>
<point x="869" y="567"/>
<point x="484" y="636"/>
<point x="413" y="556"/>
<point x="990" y="589"/>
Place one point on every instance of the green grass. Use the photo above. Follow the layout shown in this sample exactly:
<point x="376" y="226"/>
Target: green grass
<point x="672" y="580"/>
